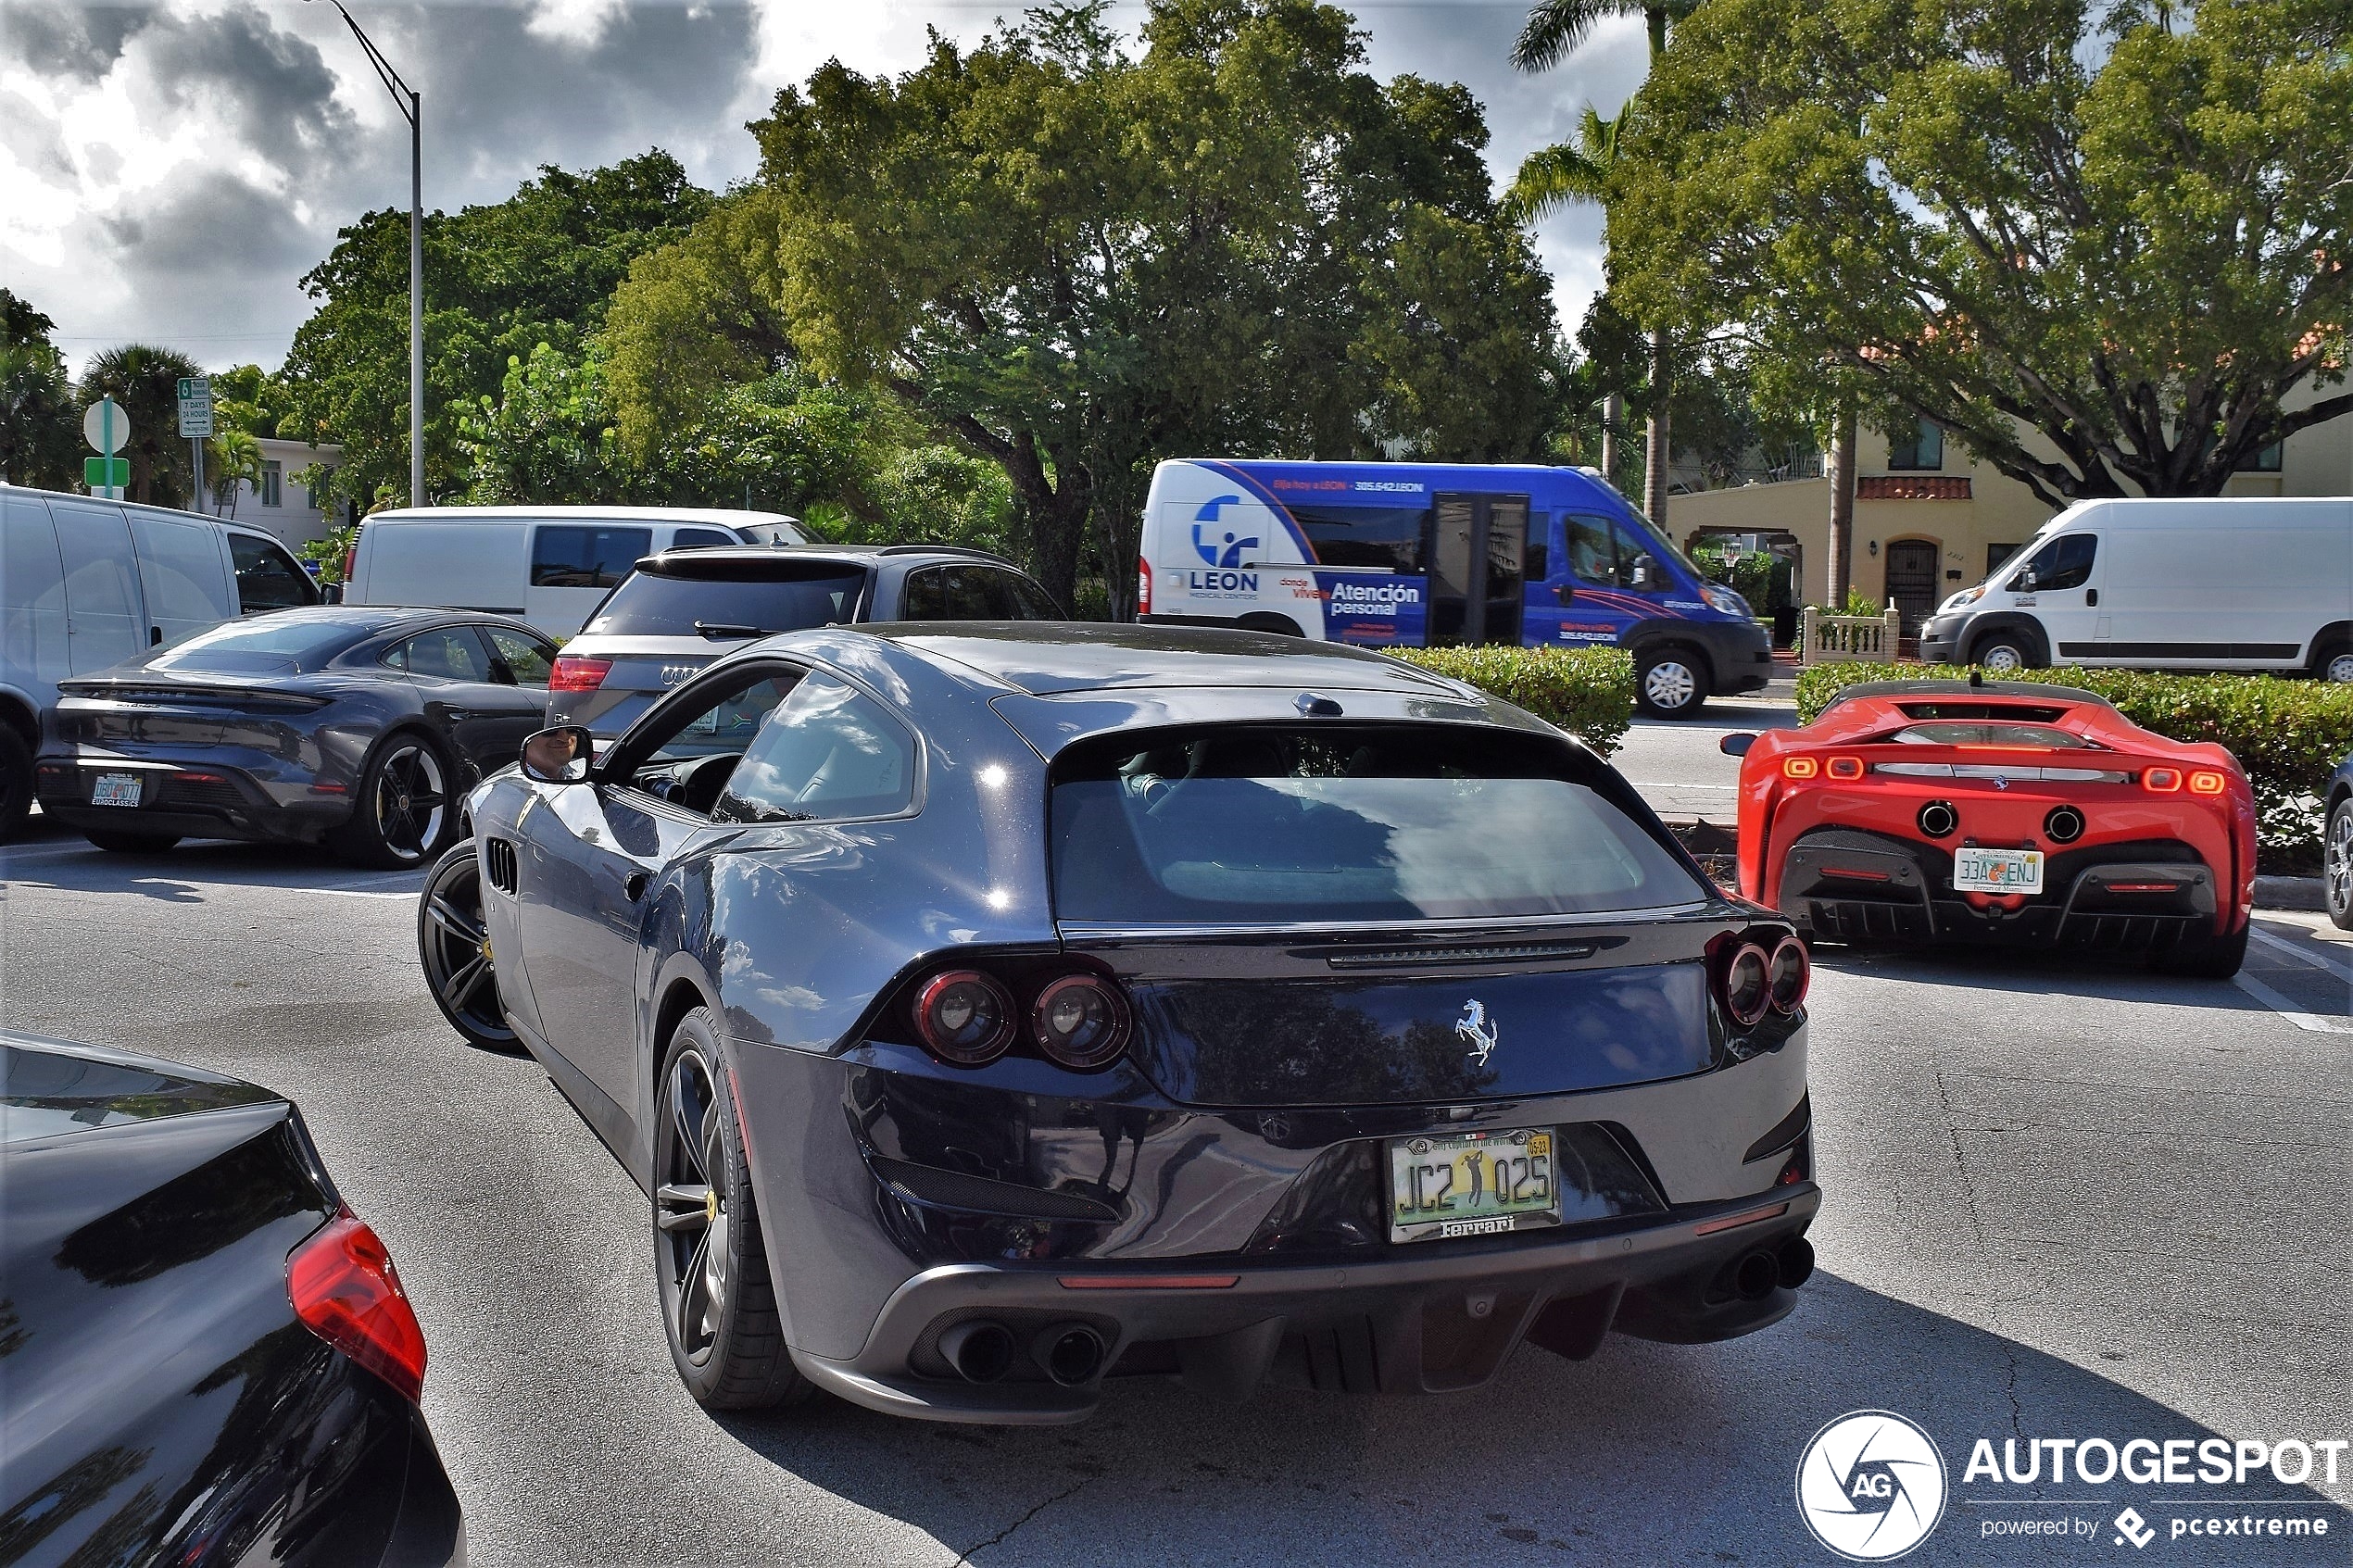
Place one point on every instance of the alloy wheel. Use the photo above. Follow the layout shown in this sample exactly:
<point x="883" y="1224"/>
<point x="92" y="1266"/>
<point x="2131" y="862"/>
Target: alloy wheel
<point x="1669" y="685"/>
<point x="456" y="953"/>
<point x="691" y="1210"/>
<point x="2338" y="860"/>
<point x="410" y="800"/>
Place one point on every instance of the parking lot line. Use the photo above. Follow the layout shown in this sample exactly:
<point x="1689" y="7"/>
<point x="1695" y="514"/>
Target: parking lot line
<point x="2289" y="1009"/>
<point x="2281" y="946"/>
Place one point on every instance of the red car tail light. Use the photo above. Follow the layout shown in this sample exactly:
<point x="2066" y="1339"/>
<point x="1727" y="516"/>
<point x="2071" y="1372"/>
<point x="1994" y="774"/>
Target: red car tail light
<point x="1846" y="767"/>
<point x="574" y="674"/>
<point x="351" y="552"/>
<point x="1080" y="1020"/>
<point x="1799" y="766"/>
<point x="2164" y="781"/>
<point x="1143" y="586"/>
<point x="2205" y="782"/>
<point x="964" y="1016"/>
<point x="1788" y="975"/>
<point x="344" y="1289"/>
<point x="1748" y="984"/>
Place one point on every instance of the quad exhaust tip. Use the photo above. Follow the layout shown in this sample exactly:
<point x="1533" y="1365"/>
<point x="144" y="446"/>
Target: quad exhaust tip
<point x="980" y="1350"/>
<point x="1072" y="1354"/>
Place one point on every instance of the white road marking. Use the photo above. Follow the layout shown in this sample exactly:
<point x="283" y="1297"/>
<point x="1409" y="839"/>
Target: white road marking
<point x="2302" y="955"/>
<point x="2289" y="1009"/>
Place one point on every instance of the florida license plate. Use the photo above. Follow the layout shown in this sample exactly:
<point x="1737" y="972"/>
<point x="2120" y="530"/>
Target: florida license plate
<point x="1471" y="1183"/>
<point x="1998" y="870"/>
<point x="116" y="789"/>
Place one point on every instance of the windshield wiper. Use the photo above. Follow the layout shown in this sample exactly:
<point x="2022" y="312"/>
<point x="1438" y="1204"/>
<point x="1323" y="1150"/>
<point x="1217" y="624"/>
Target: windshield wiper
<point x="729" y="629"/>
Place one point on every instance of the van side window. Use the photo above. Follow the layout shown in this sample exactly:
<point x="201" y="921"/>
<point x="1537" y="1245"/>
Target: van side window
<point x="2065" y="562"/>
<point x="267" y="576"/>
<point x="1389" y="538"/>
<point x="1592" y="553"/>
<point x="1637" y="567"/>
<point x="566" y="556"/>
<point x="701" y="539"/>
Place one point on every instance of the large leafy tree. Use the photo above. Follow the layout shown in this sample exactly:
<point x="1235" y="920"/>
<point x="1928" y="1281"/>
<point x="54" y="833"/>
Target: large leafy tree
<point x="39" y="431"/>
<point x="1069" y="258"/>
<point x="499" y="280"/>
<point x="145" y="380"/>
<point x="2102" y="244"/>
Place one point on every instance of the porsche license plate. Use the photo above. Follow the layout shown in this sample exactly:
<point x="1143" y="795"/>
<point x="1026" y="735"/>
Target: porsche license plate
<point x="116" y="789"/>
<point x="1998" y="870"/>
<point x="1471" y="1183"/>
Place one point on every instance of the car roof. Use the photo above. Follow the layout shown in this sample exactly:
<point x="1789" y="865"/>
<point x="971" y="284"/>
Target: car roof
<point x="1046" y="656"/>
<point x="369" y="619"/>
<point x="730" y="516"/>
<point x="748" y="560"/>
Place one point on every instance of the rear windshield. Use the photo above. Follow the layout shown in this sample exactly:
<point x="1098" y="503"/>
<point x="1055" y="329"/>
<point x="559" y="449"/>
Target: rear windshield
<point x="1260" y="824"/>
<point x="1990" y="735"/>
<point x="649" y="606"/>
<point x="259" y="645"/>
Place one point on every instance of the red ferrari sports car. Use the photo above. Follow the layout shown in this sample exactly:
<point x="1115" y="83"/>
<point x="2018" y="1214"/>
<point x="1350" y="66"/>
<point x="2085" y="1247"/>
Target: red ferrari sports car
<point x="1917" y="811"/>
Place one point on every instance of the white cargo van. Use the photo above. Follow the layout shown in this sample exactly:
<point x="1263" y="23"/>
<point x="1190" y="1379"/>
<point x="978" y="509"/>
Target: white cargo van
<point x="86" y="583"/>
<point x="549" y="565"/>
<point x="2251" y="584"/>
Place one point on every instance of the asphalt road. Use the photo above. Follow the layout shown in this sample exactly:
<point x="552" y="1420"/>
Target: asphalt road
<point x="2061" y="1203"/>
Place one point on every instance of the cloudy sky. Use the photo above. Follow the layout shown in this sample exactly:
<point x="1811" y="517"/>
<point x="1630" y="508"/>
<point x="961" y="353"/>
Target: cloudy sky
<point x="168" y="171"/>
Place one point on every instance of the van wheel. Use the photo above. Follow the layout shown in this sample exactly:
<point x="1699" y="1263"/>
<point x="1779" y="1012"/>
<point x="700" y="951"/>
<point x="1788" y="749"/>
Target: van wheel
<point x="16" y="783"/>
<point x="404" y="814"/>
<point x="2009" y="650"/>
<point x="2333" y="662"/>
<point x="1671" y="682"/>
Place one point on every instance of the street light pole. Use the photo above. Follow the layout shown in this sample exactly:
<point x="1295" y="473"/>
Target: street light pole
<point x="411" y="106"/>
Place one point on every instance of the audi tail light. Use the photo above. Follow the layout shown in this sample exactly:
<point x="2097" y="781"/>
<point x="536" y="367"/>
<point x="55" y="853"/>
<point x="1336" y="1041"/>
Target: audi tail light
<point x="965" y="1017"/>
<point x="574" y="674"/>
<point x="342" y="1283"/>
<point x="2206" y="782"/>
<point x="1799" y="766"/>
<point x="1788" y="975"/>
<point x="1080" y="1020"/>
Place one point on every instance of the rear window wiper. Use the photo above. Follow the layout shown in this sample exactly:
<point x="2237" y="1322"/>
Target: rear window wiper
<point x="728" y="629"/>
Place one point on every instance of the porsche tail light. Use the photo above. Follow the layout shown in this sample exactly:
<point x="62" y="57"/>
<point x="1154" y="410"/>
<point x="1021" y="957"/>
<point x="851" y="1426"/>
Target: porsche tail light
<point x="344" y="1289"/>
<point x="1788" y="975"/>
<point x="1748" y="984"/>
<point x="574" y="674"/>
<point x="1799" y="766"/>
<point x="2163" y="780"/>
<point x="1080" y="1020"/>
<point x="1143" y="586"/>
<point x="1846" y="767"/>
<point x="965" y="1017"/>
<point x="2206" y="782"/>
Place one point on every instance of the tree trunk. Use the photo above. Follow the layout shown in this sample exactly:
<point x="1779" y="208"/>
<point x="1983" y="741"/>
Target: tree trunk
<point x="1657" y="438"/>
<point x="1613" y="416"/>
<point x="1842" y="476"/>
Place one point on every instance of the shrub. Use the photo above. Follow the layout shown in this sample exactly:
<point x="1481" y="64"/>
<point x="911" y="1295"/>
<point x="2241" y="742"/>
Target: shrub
<point x="2287" y="734"/>
<point x="1588" y="692"/>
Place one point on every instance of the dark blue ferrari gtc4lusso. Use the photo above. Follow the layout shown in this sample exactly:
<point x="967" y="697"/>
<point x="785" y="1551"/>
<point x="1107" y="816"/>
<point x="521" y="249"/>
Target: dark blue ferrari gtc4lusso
<point x="988" y="1011"/>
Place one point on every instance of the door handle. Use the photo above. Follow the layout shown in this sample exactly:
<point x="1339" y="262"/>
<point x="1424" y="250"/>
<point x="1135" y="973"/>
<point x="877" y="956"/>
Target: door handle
<point x="155" y="636"/>
<point x="2091" y="596"/>
<point x="634" y="885"/>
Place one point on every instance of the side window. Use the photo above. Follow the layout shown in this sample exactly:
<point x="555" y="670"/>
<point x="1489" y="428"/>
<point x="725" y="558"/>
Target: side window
<point x="1033" y="603"/>
<point x="827" y="754"/>
<point x="925" y="595"/>
<point x="968" y="597"/>
<point x="2065" y="562"/>
<point x="449" y="654"/>
<point x="528" y="662"/>
<point x="1593" y="556"/>
<point x="701" y="539"/>
<point x="1539" y="563"/>
<point x="566" y="556"/>
<point x="726" y="724"/>
<point x="267" y="576"/>
<point x="1637" y="567"/>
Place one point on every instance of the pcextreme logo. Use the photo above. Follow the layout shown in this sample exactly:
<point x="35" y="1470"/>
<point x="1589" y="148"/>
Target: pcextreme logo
<point x="1872" y="1485"/>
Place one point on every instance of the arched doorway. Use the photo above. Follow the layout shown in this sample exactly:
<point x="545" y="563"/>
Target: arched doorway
<point x="1912" y="579"/>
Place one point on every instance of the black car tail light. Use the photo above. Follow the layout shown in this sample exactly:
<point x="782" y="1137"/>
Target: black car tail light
<point x="964" y="1016"/>
<point x="342" y="1283"/>
<point x="1787" y="975"/>
<point x="1080" y="1020"/>
<point x="1748" y="984"/>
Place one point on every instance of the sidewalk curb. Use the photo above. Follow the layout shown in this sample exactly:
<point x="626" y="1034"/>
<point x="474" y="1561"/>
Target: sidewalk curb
<point x="2306" y="892"/>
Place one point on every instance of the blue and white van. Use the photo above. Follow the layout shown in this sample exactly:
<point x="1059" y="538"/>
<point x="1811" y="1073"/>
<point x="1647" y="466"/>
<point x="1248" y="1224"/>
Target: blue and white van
<point x="1414" y="555"/>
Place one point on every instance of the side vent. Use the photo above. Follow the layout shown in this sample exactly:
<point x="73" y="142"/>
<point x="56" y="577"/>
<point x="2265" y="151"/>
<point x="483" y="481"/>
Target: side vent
<point x="499" y="857"/>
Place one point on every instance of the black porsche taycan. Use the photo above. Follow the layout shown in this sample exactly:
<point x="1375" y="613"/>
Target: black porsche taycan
<point x="991" y="1011"/>
<point x="349" y="725"/>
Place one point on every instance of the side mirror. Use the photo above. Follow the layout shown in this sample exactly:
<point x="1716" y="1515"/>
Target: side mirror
<point x="1643" y="574"/>
<point x="1736" y="744"/>
<point x="1565" y="593"/>
<point x="560" y="755"/>
<point x="331" y="594"/>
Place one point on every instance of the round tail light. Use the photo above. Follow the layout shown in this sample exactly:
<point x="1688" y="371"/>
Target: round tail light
<point x="1748" y="984"/>
<point x="1080" y="1020"/>
<point x="965" y="1017"/>
<point x="1788" y="975"/>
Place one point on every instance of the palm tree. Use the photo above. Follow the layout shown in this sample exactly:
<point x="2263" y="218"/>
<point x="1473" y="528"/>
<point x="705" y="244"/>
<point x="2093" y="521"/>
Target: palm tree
<point x="230" y="456"/>
<point x="145" y="381"/>
<point x="1549" y="179"/>
<point x="1573" y="172"/>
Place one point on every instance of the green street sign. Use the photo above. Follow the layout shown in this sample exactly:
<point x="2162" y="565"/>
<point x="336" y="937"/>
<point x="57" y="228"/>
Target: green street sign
<point x="106" y="473"/>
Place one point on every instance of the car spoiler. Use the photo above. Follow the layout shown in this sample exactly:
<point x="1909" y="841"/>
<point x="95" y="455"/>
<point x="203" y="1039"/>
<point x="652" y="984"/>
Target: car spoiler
<point x="1968" y="688"/>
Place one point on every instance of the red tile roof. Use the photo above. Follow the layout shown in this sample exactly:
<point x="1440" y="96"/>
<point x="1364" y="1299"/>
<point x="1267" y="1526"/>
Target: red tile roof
<point x="1910" y="487"/>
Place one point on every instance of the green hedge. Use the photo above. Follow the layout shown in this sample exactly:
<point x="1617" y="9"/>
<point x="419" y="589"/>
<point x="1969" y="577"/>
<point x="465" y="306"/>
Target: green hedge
<point x="2287" y="734"/>
<point x="1588" y="692"/>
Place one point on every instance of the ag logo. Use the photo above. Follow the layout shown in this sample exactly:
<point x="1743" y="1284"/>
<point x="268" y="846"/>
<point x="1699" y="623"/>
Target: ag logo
<point x="1226" y="552"/>
<point x="1870" y="1486"/>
